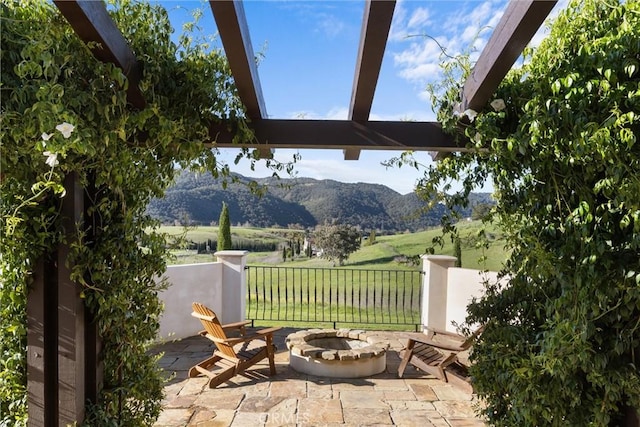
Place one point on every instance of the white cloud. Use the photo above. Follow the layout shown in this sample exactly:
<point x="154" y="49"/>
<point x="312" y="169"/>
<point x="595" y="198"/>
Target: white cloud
<point x="419" y="18"/>
<point x="330" y="25"/>
<point x="470" y="33"/>
<point x="458" y="27"/>
<point x="398" y="29"/>
<point x="337" y="113"/>
<point x="420" y="73"/>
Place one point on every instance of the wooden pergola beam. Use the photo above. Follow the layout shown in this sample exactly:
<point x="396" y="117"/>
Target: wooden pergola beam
<point x="376" y="24"/>
<point x="92" y="23"/>
<point x="340" y="134"/>
<point x="519" y="23"/>
<point x="234" y="33"/>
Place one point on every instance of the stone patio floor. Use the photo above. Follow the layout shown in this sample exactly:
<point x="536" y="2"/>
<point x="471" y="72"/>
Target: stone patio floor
<point x="293" y="399"/>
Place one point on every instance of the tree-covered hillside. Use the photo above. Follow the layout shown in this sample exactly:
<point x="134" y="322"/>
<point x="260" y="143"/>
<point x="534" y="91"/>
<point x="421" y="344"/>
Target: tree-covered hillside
<point x="304" y="201"/>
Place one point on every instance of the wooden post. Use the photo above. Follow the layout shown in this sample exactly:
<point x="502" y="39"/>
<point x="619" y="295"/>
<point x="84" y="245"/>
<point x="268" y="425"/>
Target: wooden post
<point x="64" y="366"/>
<point x="42" y="375"/>
<point x="71" y="313"/>
<point x="94" y="360"/>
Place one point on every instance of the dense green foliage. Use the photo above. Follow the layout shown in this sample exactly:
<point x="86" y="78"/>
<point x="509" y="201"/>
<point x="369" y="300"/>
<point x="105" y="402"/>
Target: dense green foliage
<point x="336" y="241"/>
<point x="224" y="230"/>
<point x="304" y="201"/>
<point x="64" y="112"/>
<point x="563" y="332"/>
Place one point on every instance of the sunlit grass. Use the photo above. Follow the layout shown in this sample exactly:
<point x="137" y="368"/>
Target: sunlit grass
<point x="388" y="252"/>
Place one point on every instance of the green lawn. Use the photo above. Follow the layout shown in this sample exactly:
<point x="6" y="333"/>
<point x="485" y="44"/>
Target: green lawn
<point x="341" y="295"/>
<point x="378" y="285"/>
<point x="387" y="253"/>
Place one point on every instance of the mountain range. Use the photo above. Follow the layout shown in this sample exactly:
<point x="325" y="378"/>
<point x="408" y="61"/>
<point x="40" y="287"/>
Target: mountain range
<point x="305" y="202"/>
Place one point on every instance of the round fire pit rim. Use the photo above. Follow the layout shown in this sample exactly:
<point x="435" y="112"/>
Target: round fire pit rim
<point x="297" y="343"/>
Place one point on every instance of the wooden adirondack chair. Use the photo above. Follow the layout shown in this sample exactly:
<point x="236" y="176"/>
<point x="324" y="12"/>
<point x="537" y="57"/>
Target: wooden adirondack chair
<point x="437" y="354"/>
<point x="226" y="361"/>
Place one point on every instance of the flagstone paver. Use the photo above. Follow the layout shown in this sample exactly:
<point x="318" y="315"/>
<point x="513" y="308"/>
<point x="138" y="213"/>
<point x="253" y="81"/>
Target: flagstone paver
<point x="465" y="422"/>
<point x="289" y="388"/>
<point x="294" y="399"/>
<point x="389" y="384"/>
<point x="423" y="392"/>
<point x="454" y="408"/>
<point x="186" y="401"/>
<point x="402" y="395"/>
<point x="363" y="399"/>
<point x="367" y="417"/>
<point x="202" y="417"/>
<point x="249" y="419"/>
<point x="412" y="418"/>
<point x="174" y="417"/>
<point x="320" y="411"/>
<point x="449" y="392"/>
<point x="211" y="399"/>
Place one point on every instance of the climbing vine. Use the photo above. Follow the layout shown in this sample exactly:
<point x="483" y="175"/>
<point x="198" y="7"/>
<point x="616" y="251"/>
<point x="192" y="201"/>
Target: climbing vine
<point x="559" y="140"/>
<point x="64" y="114"/>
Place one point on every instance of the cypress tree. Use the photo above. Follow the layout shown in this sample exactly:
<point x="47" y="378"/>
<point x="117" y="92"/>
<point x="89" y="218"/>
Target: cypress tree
<point x="457" y="251"/>
<point x="224" y="229"/>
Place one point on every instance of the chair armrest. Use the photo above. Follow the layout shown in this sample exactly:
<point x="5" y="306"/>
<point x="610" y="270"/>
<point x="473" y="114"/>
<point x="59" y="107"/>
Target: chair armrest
<point x="436" y="344"/>
<point x="437" y="331"/>
<point x="236" y="325"/>
<point x="268" y="331"/>
<point x="258" y="335"/>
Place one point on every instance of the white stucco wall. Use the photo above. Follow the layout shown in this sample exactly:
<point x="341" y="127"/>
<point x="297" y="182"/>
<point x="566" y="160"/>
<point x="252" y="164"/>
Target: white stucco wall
<point x="462" y="285"/>
<point x="189" y="283"/>
<point x="448" y="290"/>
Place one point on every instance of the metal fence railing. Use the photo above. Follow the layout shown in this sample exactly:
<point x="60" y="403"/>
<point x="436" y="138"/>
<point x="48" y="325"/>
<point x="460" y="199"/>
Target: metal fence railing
<point x="334" y="295"/>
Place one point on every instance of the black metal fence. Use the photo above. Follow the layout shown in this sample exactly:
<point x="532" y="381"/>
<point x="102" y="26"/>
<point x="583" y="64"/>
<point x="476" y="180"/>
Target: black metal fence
<point x="334" y="295"/>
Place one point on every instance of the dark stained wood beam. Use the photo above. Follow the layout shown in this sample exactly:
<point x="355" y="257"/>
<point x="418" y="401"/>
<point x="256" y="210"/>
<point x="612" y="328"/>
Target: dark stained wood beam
<point x="71" y="311"/>
<point x="340" y="134"/>
<point x="92" y="23"/>
<point x="521" y="20"/>
<point x="42" y="344"/>
<point x="234" y="33"/>
<point x="376" y="23"/>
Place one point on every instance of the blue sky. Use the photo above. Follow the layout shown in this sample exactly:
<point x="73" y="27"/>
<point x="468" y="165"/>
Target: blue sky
<point x="309" y="49"/>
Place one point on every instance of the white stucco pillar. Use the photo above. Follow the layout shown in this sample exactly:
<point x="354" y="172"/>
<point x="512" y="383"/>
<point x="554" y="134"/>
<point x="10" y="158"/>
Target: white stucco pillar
<point x="234" y="285"/>
<point x="434" y="289"/>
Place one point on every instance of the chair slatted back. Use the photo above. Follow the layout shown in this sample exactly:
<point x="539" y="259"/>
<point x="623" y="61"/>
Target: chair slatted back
<point x="472" y="338"/>
<point x="214" y="328"/>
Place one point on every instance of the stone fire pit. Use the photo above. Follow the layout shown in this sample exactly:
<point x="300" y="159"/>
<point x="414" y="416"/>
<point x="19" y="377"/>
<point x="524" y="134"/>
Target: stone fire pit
<point x="342" y="353"/>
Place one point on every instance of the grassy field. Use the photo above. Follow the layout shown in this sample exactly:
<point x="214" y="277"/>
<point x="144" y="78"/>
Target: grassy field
<point x="387" y="253"/>
<point x="378" y="285"/>
<point x="335" y="295"/>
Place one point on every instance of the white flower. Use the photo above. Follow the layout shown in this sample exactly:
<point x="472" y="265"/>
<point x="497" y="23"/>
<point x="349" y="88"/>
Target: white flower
<point x="52" y="158"/>
<point x="470" y="113"/>
<point x="46" y="136"/>
<point x="477" y="137"/>
<point x="65" y="129"/>
<point x="498" y="104"/>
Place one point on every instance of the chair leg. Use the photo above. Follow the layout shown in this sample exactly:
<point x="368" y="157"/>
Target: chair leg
<point x="446" y="362"/>
<point x="221" y="377"/>
<point x="194" y="371"/>
<point x="407" y="356"/>
<point x="271" y="355"/>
